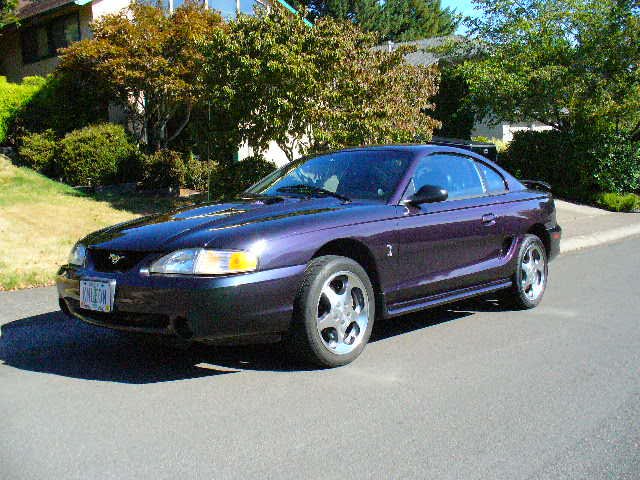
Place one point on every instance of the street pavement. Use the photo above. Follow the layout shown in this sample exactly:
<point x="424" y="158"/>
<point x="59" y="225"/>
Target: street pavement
<point x="584" y="226"/>
<point x="467" y="392"/>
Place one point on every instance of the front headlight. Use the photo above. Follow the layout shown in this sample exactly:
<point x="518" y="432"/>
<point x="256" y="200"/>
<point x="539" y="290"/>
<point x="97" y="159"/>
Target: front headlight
<point x="78" y="255"/>
<point x="199" y="261"/>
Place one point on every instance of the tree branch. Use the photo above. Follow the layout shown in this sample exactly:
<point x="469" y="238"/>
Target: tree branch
<point x="182" y="125"/>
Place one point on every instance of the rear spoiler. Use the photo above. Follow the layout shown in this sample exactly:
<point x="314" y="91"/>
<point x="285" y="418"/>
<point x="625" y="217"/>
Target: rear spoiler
<point x="536" y="185"/>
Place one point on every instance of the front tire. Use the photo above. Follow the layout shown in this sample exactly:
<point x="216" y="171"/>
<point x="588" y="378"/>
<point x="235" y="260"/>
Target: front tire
<point x="530" y="277"/>
<point x="333" y="312"/>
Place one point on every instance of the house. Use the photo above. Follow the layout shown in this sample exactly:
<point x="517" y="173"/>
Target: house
<point x="45" y="26"/>
<point x="426" y="54"/>
<point x="48" y="25"/>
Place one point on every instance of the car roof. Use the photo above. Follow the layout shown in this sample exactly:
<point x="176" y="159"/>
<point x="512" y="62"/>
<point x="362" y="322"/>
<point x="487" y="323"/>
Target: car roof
<point x="416" y="148"/>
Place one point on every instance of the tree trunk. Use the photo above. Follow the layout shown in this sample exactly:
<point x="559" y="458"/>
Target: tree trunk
<point x="183" y="124"/>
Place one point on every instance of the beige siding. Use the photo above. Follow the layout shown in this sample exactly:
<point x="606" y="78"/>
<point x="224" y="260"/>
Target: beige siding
<point x="11" y="65"/>
<point x="504" y="131"/>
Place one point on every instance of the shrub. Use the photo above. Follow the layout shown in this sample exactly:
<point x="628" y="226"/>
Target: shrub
<point x="164" y="168"/>
<point x="544" y="156"/>
<point x="197" y="173"/>
<point x="619" y="203"/>
<point x="38" y="151"/>
<point x="231" y="179"/>
<point x="59" y="102"/>
<point x="578" y="165"/>
<point x="96" y="155"/>
<point x="13" y="97"/>
<point x="615" y="164"/>
<point x="501" y="145"/>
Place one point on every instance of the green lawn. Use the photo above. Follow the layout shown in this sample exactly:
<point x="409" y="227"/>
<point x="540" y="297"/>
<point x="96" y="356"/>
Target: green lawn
<point x="41" y="219"/>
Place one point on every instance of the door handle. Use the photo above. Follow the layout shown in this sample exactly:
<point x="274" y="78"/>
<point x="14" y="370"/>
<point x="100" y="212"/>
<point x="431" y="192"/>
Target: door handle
<point x="489" y="219"/>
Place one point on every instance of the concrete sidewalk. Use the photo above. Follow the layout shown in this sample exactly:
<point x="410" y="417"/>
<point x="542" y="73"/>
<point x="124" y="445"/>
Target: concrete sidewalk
<point x="584" y="227"/>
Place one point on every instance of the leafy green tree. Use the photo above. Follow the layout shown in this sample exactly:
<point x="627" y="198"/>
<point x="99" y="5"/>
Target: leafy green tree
<point x="396" y="20"/>
<point x="7" y="12"/>
<point x="150" y="63"/>
<point x="315" y="88"/>
<point x="566" y="63"/>
<point x="453" y="109"/>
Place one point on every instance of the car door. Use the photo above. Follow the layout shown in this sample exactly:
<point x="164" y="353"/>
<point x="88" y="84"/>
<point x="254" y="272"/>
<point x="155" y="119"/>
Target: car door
<point x="451" y="244"/>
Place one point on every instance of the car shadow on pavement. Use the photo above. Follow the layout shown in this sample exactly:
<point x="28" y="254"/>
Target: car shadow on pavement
<point x="55" y="344"/>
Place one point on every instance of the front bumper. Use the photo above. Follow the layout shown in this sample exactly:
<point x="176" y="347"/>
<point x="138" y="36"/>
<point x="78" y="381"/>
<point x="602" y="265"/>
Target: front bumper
<point x="202" y="308"/>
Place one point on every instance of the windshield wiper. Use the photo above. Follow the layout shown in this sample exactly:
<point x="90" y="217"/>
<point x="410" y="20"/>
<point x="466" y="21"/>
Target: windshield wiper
<point x="267" y="199"/>
<point x="311" y="190"/>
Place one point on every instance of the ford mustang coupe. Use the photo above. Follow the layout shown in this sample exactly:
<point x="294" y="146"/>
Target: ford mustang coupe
<point x="318" y="250"/>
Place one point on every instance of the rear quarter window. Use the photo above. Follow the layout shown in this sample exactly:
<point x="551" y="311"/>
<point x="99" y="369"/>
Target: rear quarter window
<point x="495" y="182"/>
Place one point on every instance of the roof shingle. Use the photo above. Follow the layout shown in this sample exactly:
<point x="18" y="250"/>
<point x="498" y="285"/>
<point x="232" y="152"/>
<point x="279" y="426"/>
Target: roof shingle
<point x="31" y="8"/>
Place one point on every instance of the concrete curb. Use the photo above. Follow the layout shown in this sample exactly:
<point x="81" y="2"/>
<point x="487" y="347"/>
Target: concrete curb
<point x="598" y="238"/>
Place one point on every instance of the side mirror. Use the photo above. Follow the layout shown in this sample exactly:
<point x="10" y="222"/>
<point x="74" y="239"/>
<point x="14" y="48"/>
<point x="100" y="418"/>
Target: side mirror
<point x="429" y="194"/>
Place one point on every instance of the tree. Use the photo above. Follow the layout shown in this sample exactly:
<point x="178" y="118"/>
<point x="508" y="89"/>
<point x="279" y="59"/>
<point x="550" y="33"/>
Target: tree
<point x="404" y="20"/>
<point x="369" y="96"/>
<point x="395" y="20"/>
<point x="310" y="89"/>
<point x="150" y="63"/>
<point x="453" y="109"/>
<point x="566" y="63"/>
<point x="7" y="12"/>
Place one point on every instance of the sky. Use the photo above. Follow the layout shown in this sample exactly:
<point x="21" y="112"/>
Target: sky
<point x="464" y="7"/>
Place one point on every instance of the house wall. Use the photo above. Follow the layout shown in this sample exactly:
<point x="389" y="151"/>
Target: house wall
<point x="517" y="127"/>
<point x="273" y="153"/>
<point x="11" y="64"/>
<point x="104" y="7"/>
<point x="504" y="131"/>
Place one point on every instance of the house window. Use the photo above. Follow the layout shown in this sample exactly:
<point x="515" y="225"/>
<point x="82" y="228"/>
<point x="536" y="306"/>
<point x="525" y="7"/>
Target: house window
<point x="43" y="41"/>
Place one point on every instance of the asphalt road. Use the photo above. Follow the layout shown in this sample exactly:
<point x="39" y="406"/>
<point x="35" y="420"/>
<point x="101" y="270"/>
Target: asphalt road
<point x="462" y="393"/>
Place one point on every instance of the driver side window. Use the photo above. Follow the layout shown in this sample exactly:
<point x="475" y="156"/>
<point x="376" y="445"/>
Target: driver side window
<point x="456" y="174"/>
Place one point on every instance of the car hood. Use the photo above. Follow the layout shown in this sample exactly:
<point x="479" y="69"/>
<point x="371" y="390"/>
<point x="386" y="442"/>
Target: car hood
<point x="212" y="224"/>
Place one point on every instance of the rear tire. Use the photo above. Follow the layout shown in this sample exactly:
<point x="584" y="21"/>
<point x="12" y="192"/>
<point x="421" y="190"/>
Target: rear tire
<point x="531" y="275"/>
<point x="333" y="312"/>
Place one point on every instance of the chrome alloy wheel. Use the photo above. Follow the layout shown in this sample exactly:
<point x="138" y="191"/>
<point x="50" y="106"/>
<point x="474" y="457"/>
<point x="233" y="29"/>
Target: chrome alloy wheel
<point x="533" y="272"/>
<point x="343" y="313"/>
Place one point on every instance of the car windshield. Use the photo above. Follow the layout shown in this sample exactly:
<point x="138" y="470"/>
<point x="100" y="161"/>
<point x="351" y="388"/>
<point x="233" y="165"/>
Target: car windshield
<point x="357" y="174"/>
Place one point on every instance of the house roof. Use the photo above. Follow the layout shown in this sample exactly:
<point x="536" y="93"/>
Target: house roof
<point x="31" y="8"/>
<point x="426" y="50"/>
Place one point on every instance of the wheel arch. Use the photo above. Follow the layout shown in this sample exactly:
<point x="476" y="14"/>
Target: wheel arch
<point x="359" y="252"/>
<point x="541" y="232"/>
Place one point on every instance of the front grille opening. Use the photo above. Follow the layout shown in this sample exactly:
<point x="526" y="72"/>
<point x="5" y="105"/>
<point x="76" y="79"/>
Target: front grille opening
<point x="115" y="261"/>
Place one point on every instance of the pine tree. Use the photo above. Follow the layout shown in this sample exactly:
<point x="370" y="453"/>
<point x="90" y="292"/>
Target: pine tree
<point x="395" y="20"/>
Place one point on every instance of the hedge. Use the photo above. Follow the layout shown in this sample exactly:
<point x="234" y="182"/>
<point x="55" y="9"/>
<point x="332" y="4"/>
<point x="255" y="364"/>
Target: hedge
<point x="13" y="98"/>
<point x="578" y="165"/>
<point x="62" y="103"/>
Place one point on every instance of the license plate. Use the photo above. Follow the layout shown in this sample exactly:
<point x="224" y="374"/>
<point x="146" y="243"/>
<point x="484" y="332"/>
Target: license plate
<point x="97" y="295"/>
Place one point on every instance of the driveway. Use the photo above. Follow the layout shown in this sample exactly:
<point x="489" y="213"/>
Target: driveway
<point x="466" y="392"/>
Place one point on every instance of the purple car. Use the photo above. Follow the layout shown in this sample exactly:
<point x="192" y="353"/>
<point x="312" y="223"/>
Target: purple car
<point x="317" y="251"/>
